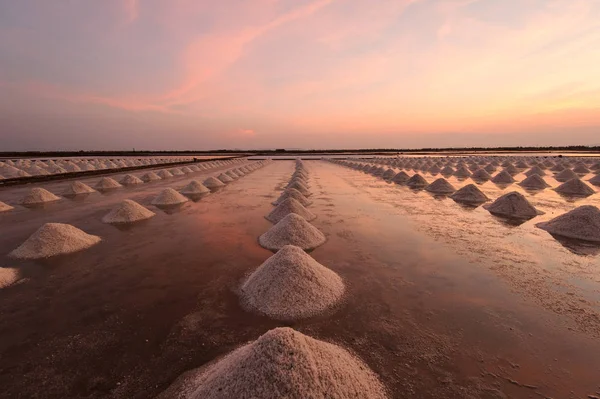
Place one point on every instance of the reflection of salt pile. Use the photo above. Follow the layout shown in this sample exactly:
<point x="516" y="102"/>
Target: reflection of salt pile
<point x="54" y="239"/>
<point x="213" y="183"/>
<point x="169" y="197"/>
<point x="440" y="186"/>
<point x="575" y="187"/>
<point x="292" y="230"/>
<point x="106" y="183"/>
<point x="581" y="223"/>
<point x="287" y="206"/>
<point x="78" y="188"/>
<point x="130" y="180"/>
<point x="39" y="195"/>
<point x="512" y="205"/>
<point x="534" y="182"/>
<point x="195" y="188"/>
<point x="470" y="194"/>
<point x="150" y="176"/>
<point x="8" y="276"/>
<point x="292" y="285"/>
<point x="5" y="207"/>
<point x="417" y="181"/>
<point x="128" y="211"/>
<point x="282" y="363"/>
<point x="292" y="193"/>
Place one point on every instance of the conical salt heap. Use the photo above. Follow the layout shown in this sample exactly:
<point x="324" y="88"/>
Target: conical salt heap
<point x="78" y="188"/>
<point x="176" y="172"/>
<point x="582" y="223"/>
<point x="8" y="276"/>
<point x="169" y="197"/>
<point x="194" y="188"/>
<point x="575" y="187"/>
<point x="595" y="180"/>
<point x="581" y="169"/>
<point x="417" y="181"/>
<point x="400" y="178"/>
<point x="566" y="175"/>
<point x="503" y="177"/>
<point x="232" y="175"/>
<point x="287" y="206"/>
<point x="54" y="239"/>
<point x="388" y="174"/>
<point x="481" y="175"/>
<point x="106" y="183"/>
<point x="470" y="194"/>
<point x="5" y="207"/>
<point x="150" y="177"/>
<point x="536" y="170"/>
<point x="282" y="363"/>
<point x="513" y="205"/>
<point x="164" y="174"/>
<point x="292" y="230"/>
<point x="128" y="211"/>
<point x="292" y="193"/>
<point x="300" y="187"/>
<point x="462" y="172"/>
<point x="292" y="285"/>
<point x="224" y="178"/>
<point x="534" y="182"/>
<point x="130" y="180"/>
<point x="213" y="183"/>
<point x="39" y="195"/>
<point x="440" y="186"/>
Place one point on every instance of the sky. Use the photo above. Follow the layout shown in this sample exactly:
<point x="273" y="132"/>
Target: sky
<point x="310" y="74"/>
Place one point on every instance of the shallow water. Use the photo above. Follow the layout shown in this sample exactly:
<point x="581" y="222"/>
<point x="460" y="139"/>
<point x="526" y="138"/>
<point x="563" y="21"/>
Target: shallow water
<point x="442" y="301"/>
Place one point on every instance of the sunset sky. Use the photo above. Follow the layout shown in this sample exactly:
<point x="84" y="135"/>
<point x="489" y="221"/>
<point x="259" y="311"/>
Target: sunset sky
<point x="199" y="74"/>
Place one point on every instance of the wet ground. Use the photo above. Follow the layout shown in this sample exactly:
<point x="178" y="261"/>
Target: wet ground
<point x="442" y="301"/>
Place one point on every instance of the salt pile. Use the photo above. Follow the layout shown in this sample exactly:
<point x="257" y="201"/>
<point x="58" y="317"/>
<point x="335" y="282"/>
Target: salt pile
<point x="176" y="172"/>
<point x="106" y="183"/>
<point x="164" y="174"/>
<point x="130" y="180"/>
<point x="282" y="363"/>
<point x="440" y="186"/>
<point x="470" y="194"/>
<point x="534" y="182"/>
<point x="39" y="196"/>
<point x="512" y="205"/>
<point x="575" y="187"/>
<point x="128" y="211"/>
<point x="169" y="197"/>
<point x="195" y="188"/>
<point x="595" y="180"/>
<point x="150" y="176"/>
<point x="481" y="175"/>
<point x="54" y="239"/>
<point x="536" y="170"/>
<point x="292" y="285"/>
<point x="292" y="230"/>
<point x="300" y="187"/>
<point x="503" y="178"/>
<point x="8" y="276"/>
<point x="400" y="178"/>
<point x="287" y="206"/>
<point x="388" y="174"/>
<point x="462" y="172"/>
<point x="417" y="181"/>
<point x="224" y="178"/>
<point x="581" y="223"/>
<point x="5" y="207"/>
<point x="566" y="175"/>
<point x="292" y="193"/>
<point x="213" y="183"/>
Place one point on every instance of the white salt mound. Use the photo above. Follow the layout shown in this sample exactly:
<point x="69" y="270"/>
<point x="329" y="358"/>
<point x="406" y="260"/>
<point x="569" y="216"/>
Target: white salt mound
<point x="78" y="188"/>
<point x="292" y="230"/>
<point x="169" y="197"/>
<point x="534" y="182"/>
<point x="54" y="239"/>
<point x="5" y="207"/>
<point x="595" y="180"/>
<point x="470" y="194"/>
<point x="400" y="178"/>
<point x="503" y="178"/>
<point x="575" y="187"/>
<point x="292" y="193"/>
<point x="130" y="180"/>
<point x="8" y="276"/>
<point x="107" y="183"/>
<point x="150" y="176"/>
<point x="128" y="211"/>
<point x="417" y="181"/>
<point x="224" y="178"/>
<point x="287" y="206"/>
<point x="195" y="188"/>
<point x="440" y="186"/>
<point x="300" y="187"/>
<point x="282" y="363"/>
<point x="39" y="195"/>
<point x="292" y="285"/>
<point x="164" y="174"/>
<point x="212" y="183"/>
<point x="581" y="223"/>
<point x="512" y="205"/>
